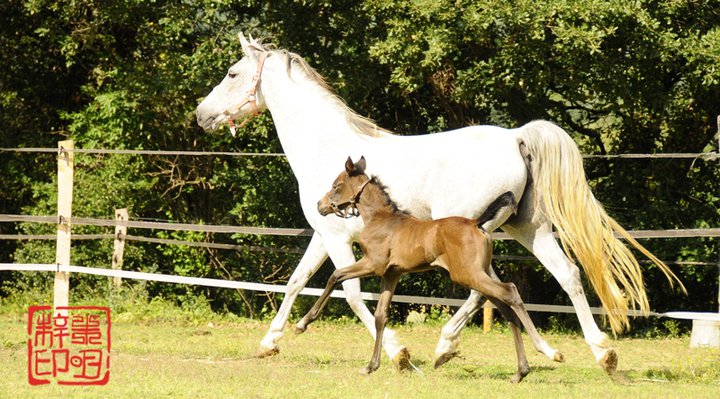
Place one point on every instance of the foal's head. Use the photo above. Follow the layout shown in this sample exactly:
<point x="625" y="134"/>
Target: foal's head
<point x="346" y="189"/>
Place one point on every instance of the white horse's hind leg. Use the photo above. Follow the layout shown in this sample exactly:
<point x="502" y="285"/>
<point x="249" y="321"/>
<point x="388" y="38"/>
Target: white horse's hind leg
<point x="546" y="248"/>
<point x="450" y="336"/>
<point x="311" y="261"/>
<point x="342" y="255"/>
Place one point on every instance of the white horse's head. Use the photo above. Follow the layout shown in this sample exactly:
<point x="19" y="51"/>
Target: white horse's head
<point x="238" y="94"/>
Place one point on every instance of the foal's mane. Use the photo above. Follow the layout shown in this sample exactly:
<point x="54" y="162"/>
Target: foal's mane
<point x="360" y="124"/>
<point x="388" y="201"/>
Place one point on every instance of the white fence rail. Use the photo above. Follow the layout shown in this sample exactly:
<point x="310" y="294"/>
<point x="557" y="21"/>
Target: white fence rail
<point x="211" y="282"/>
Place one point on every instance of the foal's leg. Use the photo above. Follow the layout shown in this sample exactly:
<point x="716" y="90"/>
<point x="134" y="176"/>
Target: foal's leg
<point x="539" y="343"/>
<point x="361" y="268"/>
<point x="387" y="288"/>
<point x="508" y="294"/>
<point x="342" y="255"/>
<point x="311" y="261"/>
<point x="450" y="337"/>
<point x="509" y="315"/>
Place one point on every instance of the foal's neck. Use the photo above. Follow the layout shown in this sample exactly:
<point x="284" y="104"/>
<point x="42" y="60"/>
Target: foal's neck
<point x="374" y="200"/>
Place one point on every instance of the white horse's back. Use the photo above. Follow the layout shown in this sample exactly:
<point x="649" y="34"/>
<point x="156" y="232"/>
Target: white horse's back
<point x="458" y="172"/>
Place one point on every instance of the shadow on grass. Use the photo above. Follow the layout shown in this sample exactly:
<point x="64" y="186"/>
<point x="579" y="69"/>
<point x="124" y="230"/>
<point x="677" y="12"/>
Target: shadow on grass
<point x="501" y="373"/>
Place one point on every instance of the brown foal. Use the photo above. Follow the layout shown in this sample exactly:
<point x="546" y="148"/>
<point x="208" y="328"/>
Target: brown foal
<point x="395" y="243"/>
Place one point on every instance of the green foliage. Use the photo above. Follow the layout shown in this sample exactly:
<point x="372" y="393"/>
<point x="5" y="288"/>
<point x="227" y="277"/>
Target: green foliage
<point x="620" y="76"/>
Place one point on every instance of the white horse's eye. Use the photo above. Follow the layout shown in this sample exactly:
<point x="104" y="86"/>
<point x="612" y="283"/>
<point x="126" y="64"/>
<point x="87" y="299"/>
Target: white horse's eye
<point x="232" y="75"/>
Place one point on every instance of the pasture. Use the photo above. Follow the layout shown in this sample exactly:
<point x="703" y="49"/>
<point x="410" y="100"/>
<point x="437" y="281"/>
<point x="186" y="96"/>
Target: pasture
<point x="180" y="355"/>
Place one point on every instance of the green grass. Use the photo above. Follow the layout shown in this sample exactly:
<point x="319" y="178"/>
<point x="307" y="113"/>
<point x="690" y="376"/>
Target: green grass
<point x="186" y="355"/>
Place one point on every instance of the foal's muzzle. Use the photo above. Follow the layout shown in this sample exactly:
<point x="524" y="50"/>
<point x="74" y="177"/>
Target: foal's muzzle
<point x="324" y="206"/>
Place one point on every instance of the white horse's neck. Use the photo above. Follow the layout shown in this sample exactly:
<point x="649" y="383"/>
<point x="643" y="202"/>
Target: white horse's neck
<point x="310" y="121"/>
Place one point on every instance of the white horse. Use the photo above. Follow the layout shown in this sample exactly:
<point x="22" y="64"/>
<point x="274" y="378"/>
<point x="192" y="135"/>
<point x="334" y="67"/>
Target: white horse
<point x="455" y="173"/>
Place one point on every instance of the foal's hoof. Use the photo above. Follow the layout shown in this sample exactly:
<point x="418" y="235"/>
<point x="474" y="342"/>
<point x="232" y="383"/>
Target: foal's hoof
<point x="265" y="352"/>
<point x="299" y="329"/>
<point x="609" y="362"/>
<point x="401" y="361"/>
<point x="519" y="376"/>
<point x="367" y="370"/>
<point x="446" y="357"/>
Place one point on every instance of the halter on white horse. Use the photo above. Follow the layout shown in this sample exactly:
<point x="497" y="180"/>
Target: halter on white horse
<point x="250" y="98"/>
<point x="432" y="176"/>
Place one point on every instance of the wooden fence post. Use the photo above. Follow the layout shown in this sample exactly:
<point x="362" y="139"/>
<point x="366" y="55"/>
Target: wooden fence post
<point x="121" y="217"/>
<point x="487" y="317"/>
<point x="66" y="158"/>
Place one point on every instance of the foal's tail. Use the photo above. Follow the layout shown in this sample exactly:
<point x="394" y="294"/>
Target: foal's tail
<point x="505" y="199"/>
<point x="585" y="229"/>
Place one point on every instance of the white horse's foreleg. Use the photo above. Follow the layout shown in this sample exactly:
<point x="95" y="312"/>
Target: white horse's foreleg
<point x="342" y="255"/>
<point x="547" y="250"/>
<point x="311" y="261"/>
<point x="450" y="336"/>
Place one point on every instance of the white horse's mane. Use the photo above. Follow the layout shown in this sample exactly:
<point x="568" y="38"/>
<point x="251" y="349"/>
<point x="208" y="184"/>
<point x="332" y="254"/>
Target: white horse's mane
<point x="360" y="124"/>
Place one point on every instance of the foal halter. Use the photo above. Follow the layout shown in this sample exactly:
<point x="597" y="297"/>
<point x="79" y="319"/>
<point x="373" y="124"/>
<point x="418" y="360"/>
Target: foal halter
<point x="348" y="208"/>
<point x="250" y="98"/>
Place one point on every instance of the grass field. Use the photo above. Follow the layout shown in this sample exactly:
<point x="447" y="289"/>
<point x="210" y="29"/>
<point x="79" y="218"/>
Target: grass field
<point x="213" y="359"/>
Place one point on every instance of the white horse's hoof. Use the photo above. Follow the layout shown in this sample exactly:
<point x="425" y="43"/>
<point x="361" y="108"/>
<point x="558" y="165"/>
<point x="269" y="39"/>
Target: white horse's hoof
<point x="609" y="362"/>
<point x="267" y="352"/>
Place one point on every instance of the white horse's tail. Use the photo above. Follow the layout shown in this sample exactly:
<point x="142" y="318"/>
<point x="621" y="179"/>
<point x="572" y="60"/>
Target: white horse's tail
<point x="586" y="231"/>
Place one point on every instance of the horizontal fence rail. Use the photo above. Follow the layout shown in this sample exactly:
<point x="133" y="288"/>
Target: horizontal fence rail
<point x="257" y="248"/>
<point x="153" y="240"/>
<point x="709" y="156"/>
<point x="147" y="152"/>
<point x="218" y="283"/>
<point x="84" y="221"/>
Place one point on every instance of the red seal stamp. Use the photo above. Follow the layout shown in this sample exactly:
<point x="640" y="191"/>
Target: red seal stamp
<point x="70" y="346"/>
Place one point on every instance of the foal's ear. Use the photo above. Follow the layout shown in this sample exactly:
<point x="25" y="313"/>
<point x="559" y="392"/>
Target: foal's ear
<point x="360" y="165"/>
<point x="349" y="166"/>
<point x="354" y="169"/>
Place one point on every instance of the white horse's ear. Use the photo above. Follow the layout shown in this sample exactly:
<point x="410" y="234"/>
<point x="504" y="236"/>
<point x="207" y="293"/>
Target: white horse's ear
<point x="243" y="41"/>
<point x="247" y="47"/>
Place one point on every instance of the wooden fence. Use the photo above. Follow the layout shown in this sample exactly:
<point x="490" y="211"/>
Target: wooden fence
<point x="64" y="221"/>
